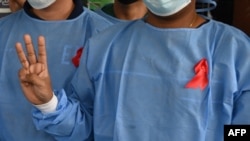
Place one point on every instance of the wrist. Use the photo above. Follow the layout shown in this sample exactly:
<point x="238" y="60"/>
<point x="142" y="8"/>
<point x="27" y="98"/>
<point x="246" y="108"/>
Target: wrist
<point x="48" y="107"/>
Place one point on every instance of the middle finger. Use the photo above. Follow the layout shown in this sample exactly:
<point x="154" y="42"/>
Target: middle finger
<point x="30" y="49"/>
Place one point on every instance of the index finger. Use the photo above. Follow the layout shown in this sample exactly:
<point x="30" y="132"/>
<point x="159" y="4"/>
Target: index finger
<point x="42" y="56"/>
<point x="21" y="55"/>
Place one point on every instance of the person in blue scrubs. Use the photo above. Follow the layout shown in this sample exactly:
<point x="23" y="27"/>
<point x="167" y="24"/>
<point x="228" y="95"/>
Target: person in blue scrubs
<point x="174" y="76"/>
<point x="123" y="10"/>
<point x="67" y="26"/>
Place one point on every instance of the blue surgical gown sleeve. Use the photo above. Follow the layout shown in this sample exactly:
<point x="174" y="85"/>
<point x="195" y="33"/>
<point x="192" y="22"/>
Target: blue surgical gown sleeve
<point x="241" y="104"/>
<point x="73" y="119"/>
<point x="241" y="114"/>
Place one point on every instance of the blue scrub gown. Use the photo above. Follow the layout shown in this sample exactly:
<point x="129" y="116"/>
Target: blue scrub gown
<point x="63" y="39"/>
<point x="131" y="85"/>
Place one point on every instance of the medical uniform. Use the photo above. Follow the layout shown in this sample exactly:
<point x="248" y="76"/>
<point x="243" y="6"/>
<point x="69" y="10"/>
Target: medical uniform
<point x="63" y="39"/>
<point x="132" y="84"/>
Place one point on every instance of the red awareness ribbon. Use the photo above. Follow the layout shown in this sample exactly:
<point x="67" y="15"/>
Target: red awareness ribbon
<point x="76" y="58"/>
<point x="200" y="80"/>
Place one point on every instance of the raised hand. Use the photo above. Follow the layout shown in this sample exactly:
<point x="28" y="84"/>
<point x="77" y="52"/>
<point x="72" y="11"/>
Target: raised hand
<point x="34" y="75"/>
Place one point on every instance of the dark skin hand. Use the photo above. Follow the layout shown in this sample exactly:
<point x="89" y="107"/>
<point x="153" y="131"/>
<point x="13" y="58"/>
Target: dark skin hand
<point x="34" y="75"/>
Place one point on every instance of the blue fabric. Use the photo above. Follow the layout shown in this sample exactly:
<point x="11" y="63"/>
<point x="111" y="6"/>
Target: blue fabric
<point x="63" y="39"/>
<point x="131" y="85"/>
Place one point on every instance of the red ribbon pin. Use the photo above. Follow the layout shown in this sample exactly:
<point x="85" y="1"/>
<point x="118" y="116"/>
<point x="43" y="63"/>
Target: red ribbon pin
<point x="76" y="58"/>
<point x="200" y="80"/>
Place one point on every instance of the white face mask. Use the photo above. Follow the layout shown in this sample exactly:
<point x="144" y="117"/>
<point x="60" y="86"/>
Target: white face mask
<point x="40" y="4"/>
<point x="166" y="7"/>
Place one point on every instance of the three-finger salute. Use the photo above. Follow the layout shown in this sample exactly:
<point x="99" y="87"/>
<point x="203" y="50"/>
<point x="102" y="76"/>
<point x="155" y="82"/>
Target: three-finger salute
<point x="34" y="75"/>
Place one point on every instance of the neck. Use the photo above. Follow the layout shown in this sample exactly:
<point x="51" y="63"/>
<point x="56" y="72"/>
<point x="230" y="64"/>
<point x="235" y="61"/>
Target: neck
<point x="131" y="11"/>
<point x="16" y="5"/>
<point x="186" y="18"/>
<point x="60" y="10"/>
